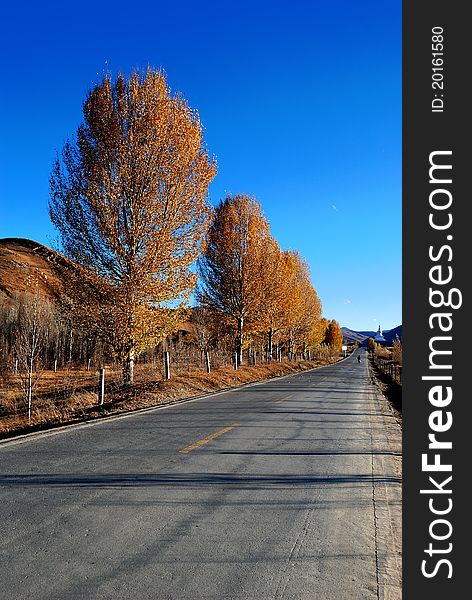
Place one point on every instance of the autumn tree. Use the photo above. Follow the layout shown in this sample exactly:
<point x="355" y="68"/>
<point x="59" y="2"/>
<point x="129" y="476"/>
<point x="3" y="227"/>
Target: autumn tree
<point x="232" y="267"/>
<point x="397" y="351"/>
<point x="310" y="309"/>
<point x="334" y="336"/>
<point x="271" y="314"/>
<point x="128" y="195"/>
<point x="318" y="332"/>
<point x="301" y="305"/>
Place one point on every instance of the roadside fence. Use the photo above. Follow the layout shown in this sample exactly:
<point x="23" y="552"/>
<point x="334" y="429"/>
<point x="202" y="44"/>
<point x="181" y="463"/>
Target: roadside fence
<point x="393" y="370"/>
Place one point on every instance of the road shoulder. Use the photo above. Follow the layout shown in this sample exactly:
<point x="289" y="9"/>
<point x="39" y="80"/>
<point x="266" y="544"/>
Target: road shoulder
<point x="387" y="496"/>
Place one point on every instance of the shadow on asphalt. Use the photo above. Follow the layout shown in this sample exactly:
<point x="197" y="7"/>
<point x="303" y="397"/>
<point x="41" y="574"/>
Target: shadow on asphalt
<point x="190" y="479"/>
<point x="315" y="453"/>
<point x="301" y="411"/>
<point x="295" y="388"/>
<point x="344" y="502"/>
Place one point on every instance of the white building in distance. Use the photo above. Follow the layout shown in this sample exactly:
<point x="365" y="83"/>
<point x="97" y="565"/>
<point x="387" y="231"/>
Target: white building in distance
<point x="379" y="338"/>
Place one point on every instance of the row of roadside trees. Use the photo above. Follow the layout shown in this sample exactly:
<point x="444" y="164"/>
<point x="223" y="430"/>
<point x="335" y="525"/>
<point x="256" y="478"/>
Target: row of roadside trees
<point x="129" y="197"/>
<point x="253" y="287"/>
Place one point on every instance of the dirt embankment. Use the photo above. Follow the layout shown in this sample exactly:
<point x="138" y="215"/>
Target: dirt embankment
<point x="27" y="267"/>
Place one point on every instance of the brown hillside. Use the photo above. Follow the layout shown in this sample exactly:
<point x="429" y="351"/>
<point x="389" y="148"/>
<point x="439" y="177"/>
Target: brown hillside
<point x="23" y="263"/>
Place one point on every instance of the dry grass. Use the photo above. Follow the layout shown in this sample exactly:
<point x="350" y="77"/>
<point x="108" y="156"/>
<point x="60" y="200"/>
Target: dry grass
<point x="390" y="389"/>
<point x="71" y="396"/>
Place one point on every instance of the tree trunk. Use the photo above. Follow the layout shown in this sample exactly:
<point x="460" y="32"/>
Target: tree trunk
<point x="269" y="345"/>
<point x="239" y="342"/>
<point x="290" y="346"/>
<point x="70" y="346"/>
<point x="128" y="367"/>
<point x="29" y="394"/>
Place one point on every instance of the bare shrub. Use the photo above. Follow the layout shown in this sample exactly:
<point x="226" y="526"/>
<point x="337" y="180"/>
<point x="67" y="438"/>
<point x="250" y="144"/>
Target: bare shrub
<point x="382" y="352"/>
<point x="32" y="323"/>
<point x="397" y="352"/>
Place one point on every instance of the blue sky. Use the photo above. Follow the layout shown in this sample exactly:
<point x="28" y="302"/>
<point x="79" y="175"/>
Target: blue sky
<point x="301" y="102"/>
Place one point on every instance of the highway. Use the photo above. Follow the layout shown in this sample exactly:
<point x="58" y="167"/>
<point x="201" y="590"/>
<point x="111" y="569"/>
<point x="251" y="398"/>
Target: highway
<point x="286" y="489"/>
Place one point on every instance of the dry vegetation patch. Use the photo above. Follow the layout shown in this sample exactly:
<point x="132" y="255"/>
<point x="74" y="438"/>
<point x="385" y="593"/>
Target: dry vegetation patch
<point x="57" y="402"/>
<point x="390" y="389"/>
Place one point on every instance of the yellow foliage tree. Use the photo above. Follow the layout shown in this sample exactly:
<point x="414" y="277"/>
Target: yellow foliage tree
<point x="129" y="198"/>
<point x="397" y="351"/>
<point x="273" y="283"/>
<point x="317" y="333"/>
<point x="302" y="307"/>
<point x="232" y="268"/>
<point x="334" y="336"/>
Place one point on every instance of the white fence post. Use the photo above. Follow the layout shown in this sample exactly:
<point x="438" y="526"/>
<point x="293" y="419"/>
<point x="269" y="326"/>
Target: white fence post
<point x="101" y="387"/>
<point x="167" y="365"/>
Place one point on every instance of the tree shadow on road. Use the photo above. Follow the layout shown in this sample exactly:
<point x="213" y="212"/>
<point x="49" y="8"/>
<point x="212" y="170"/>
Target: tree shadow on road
<point x="315" y="453"/>
<point x="126" y="480"/>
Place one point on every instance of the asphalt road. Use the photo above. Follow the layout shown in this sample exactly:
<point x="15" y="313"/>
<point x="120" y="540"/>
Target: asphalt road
<point x="285" y="489"/>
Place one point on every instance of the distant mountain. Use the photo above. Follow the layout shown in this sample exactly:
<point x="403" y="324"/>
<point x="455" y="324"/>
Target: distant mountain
<point x="350" y="336"/>
<point x="28" y="267"/>
<point x="392" y="334"/>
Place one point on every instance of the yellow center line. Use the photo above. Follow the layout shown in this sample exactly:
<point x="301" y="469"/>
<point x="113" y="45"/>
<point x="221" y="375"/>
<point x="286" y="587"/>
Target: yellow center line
<point x="208" y="438"/>
<point x="283" y="399"/>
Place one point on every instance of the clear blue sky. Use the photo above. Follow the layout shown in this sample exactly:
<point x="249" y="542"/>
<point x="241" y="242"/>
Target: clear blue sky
<point x="301" y="101"/>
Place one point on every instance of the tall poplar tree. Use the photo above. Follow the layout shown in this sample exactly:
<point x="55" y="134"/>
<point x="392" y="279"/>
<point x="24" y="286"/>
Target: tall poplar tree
<point x="232" y="267"/>
<point x="334" y="336"/>
<point x="129" y="197"/>
<point x="302" y="306"/>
